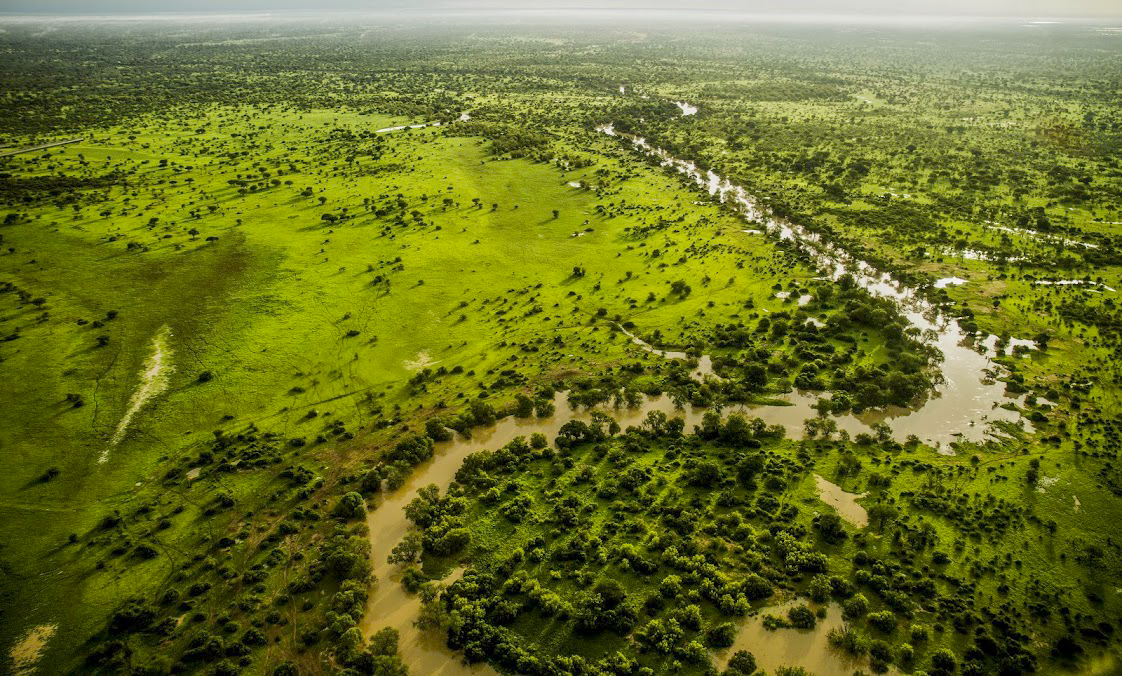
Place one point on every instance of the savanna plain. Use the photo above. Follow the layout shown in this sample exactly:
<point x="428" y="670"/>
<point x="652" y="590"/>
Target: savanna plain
<point x="399" y="344"/>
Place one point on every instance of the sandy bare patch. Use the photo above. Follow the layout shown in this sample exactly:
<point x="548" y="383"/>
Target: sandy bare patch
<point x="153" y="381"/>
<point x="27" y="652"/>
<point x="1046" y="482"/>
<point x="422" y="362"/>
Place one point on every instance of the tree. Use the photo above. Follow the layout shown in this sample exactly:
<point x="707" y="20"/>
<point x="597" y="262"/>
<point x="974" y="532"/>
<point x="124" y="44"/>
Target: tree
<point x="372" y="480"/>
<point x="436" y="430"/>
<point x="801" y="617"/>
<point x="881" y="513"/>
<point x="830" y="526"/>
<point x="524" y="406"/>
<point x="350" y="506"/>
<point x="380" y="657"/>
<point x="855" y="607"/>
<point x="556" y="214"/>
<point x="133" y="617"/>
<point x="742" y="663"/>
<point x="706" y="474"/>
<point x="408" y="550"/>
<point x="885" y="621"/>
<point x="943" y="662"/>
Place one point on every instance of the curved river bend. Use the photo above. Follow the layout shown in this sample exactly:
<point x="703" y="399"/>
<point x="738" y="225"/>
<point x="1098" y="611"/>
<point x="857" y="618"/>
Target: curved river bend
<point x="966" y="401"/>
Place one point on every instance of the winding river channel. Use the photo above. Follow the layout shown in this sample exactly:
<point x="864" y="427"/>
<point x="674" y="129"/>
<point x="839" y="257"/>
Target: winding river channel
<point x="967" y="400"/>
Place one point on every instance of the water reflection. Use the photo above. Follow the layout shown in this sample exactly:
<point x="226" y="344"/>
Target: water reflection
<point x="806" y="648"/>
<point x="967" y="399"/>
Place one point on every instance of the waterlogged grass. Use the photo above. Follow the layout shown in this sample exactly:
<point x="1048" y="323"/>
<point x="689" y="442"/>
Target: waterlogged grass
<point x="639" y="509"/>
<point x="323" y="290"/>
<point x="269" y="313"/>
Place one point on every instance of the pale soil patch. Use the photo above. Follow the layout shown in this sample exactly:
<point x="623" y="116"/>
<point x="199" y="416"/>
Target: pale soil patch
<point x="153" y="381"/>
<point x="27" y="652"/>
<point x="422" y="362"/>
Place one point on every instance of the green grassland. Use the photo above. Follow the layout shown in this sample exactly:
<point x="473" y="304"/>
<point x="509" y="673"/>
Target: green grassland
<point x="289" y="315"/>
<point x="325" y="295"/>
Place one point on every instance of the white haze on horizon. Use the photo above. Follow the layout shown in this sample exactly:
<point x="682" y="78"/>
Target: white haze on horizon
<point x="832" y="10"/>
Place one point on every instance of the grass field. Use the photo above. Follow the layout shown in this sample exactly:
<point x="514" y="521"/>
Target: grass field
<point x="237" y="312"/>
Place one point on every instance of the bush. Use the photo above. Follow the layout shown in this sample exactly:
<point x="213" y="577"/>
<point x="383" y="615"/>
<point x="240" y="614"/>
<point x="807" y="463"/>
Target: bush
<point x="286" y="668"/>
<point x="742" y="663"/>
<point x="943" y="662"/>
<point x="884" y="621"/>
<point x="855" y="607"/>
<point x="350" y="506"/>
<point x="801" y="617"/>
<point x="720" y="636"/>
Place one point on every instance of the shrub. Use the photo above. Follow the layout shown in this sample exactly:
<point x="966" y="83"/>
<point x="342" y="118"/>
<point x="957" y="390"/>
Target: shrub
<point x="884" y="621"/>
<point x="855" y="607"/>
<point x="350" y="506"/>
<point x="742" y="663"/>
<point x="801" y="617"/>
<point x="720" y="636"/>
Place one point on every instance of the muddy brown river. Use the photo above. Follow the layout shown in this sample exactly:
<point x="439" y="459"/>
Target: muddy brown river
<point x="965" y="403"/>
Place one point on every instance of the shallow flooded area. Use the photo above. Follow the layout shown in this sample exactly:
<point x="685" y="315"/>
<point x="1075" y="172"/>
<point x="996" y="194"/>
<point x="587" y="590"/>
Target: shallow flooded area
<point x="965" y="402"/>
<point x="969" y="397"/>
<point x="806" y="648"/>
<point x="948" y="281"/>
<point x="845" y="504"/>
<point x="686" y="108"/>
<point x="390" y="605"/>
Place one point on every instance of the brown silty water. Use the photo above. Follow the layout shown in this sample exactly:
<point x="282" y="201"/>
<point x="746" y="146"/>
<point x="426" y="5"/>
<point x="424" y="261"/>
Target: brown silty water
<point x="966" y="401"/>
<point x="807" y="648"/>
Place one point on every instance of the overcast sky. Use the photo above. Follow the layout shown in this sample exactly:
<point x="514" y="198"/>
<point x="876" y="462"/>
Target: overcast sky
<point x="1013" y="8"/>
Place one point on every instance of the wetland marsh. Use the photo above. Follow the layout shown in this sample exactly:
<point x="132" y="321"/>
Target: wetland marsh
<point x="535" y="345"/>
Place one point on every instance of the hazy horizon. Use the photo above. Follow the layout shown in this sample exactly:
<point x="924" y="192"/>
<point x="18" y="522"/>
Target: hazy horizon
<point x="1073" y="9"/>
